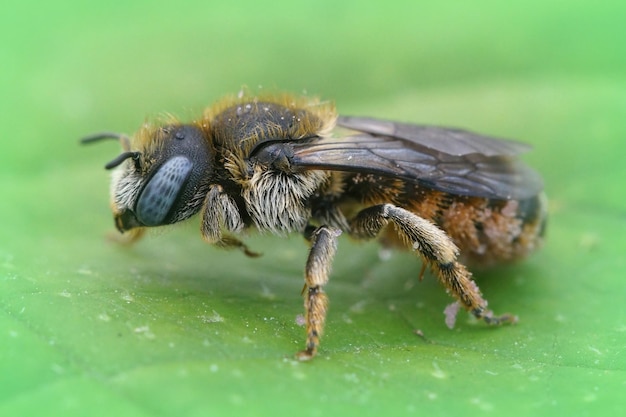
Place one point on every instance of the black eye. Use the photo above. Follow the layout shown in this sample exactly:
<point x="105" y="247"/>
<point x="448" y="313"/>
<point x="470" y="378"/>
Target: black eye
<point x="182" y="170"/>
<point x="162" y="191"/>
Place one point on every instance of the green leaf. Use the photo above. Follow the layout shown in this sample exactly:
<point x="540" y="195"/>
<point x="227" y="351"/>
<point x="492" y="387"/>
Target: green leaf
<point x="172" y="326"/>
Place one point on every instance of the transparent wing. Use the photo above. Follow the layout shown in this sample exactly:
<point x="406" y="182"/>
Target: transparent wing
<point x="449" y="160"/>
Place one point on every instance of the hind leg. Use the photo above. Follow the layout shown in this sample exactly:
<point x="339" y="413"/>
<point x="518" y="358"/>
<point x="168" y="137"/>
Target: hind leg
<point x="436" y="249"/>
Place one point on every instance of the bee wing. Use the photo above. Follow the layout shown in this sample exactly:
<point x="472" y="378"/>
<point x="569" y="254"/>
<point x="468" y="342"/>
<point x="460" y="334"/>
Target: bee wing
<point x="443" y="159"/>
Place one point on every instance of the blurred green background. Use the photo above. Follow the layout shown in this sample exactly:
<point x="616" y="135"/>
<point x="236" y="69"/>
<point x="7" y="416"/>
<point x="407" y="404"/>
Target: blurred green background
<point x="173" y="327"/>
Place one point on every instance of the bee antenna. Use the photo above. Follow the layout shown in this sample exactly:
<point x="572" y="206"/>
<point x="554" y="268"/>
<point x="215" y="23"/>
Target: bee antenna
<point x="122" y="157"/>
<point x="96" y="137"/>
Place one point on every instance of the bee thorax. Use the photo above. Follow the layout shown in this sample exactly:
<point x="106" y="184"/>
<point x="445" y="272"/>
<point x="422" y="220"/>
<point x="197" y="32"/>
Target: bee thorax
<point x="278" y="202"/>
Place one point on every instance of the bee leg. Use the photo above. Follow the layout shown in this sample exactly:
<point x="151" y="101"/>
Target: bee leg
<point x="436" y="249"/>
<point x="129" y="237"/>
<point x="231" y="242"/>
<point x="219" y="212"/>
<point x="318" y="265"/>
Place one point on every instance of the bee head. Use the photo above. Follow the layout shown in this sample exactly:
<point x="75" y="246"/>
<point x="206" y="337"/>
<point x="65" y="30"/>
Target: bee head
<point x="164" y="181"/>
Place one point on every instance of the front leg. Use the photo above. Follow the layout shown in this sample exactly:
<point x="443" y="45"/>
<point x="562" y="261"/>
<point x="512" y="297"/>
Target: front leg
<point x="318" y="265"/>
<point x="220" y="211"/>
<point x="435" y="248"/>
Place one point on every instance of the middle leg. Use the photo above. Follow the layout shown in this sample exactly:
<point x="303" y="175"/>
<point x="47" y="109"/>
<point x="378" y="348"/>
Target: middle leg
<point x="323" y="248"/>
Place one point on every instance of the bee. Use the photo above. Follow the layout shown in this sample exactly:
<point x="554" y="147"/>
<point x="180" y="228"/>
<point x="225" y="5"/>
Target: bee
<point x="285" y="163"/>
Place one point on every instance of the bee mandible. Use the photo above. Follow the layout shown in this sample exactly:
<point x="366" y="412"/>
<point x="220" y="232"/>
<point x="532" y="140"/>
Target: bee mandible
<point x="285" y="163"/>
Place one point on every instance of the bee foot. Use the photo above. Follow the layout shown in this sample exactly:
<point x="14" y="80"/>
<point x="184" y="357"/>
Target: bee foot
<point x="305" y="355"/>
<point x="506" y="318"/>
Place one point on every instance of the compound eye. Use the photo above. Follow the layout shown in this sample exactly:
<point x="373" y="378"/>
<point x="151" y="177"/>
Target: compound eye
<point x="162" y="190"/>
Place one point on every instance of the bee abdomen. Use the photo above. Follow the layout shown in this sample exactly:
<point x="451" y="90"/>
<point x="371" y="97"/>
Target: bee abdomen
<point x="495" y="231"/>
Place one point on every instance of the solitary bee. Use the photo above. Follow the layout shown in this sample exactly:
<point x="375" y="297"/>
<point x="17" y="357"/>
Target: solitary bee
<point x="282" y="164"/>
